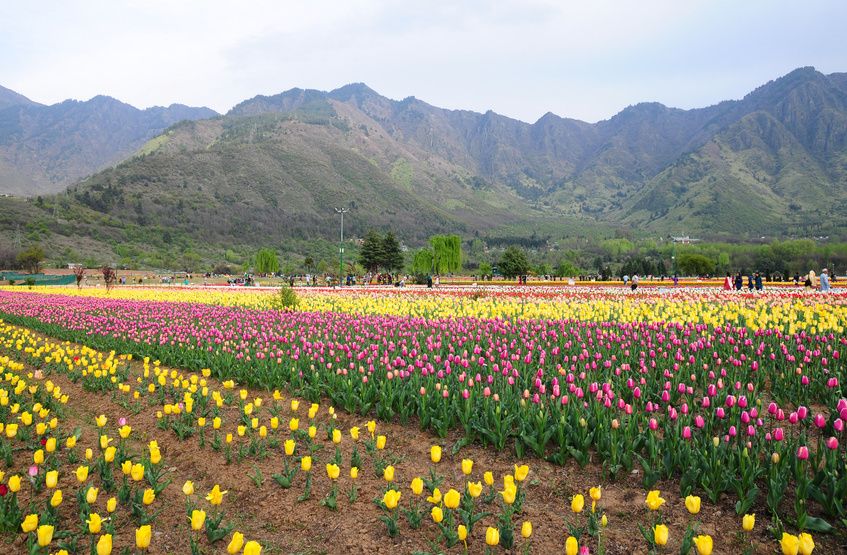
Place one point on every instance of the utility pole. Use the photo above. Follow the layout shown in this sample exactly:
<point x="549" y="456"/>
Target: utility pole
<point x="341" y="211"/>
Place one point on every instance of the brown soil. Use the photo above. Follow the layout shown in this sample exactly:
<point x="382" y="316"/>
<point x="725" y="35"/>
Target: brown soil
<point x="274" y="517"/>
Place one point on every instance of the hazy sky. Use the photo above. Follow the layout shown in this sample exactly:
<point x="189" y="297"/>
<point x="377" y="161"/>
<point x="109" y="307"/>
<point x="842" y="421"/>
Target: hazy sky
<point x="584" y="59"/>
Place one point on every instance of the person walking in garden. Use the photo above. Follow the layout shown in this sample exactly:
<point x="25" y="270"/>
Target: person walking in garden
<point x="634" y="282"/>
<point x="739" y="281"/>
<point x="727" y="283"/>
<point x="825" y="281"/>
<point x="758" y="282"/>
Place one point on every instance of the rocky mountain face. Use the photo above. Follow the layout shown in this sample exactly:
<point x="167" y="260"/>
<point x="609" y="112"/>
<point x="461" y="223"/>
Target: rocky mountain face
<point x="45" y="148"/>
<point x="774" y="161"/>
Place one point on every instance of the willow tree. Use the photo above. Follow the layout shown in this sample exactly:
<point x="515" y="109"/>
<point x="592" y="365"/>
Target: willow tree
<point x="446" y="253"/>
<point x="422" y="261"/>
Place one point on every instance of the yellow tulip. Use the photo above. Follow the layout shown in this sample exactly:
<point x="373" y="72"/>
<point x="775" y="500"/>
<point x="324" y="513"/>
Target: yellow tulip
<point x="595" y="493"/>
<point x="94" y="523"/>
<point x="71" y="442"/>
<point x="126" y="467"/>
<point x="660" y="534"/>
<point x="216" y="423"/>
<point x="51" y="479"/>
<point x="91" y="495"/>
<point x="489" y="478"/>
<point x="336" y="436"/>
<point x="807" y="544"/>
<point x="306" y="464"/>
<point x="391" y="498"/>
<point x="654" y="501"/>
<point x="89" y="454"/>
<point x="50" y="446"/>
<point x="462" y="532"/>
<point x="354" y="472"/>
<point x="38" y="456"/>
<point x="216" y="496"/>
<point x="109" y="454"/>
<point x="571" y="546"/>
<point x="354" y="433"/>
<point x="104" y="546"/>
<point x="143" y="536"/>
<point x="417" y="486"/>
<point x="198" y="517"/>
<point x="293" y="424"/>
<point x="526" y="529"/>
<point x="188" y="487"/>
<point x="333" y="471"/>
<point x="790" y="544"/>
<point x="289" y="447"/>
<point x="748" y="522"/>
<point x="380" y="442"/>
<point x="452" y="499"/>
<point x="111" y="505"/>
<point x="437" y="514"/>
<point x="578" y="503"/>
<point x="11" y="430"/>
<point x="492" y="536"/>
<point x="124" y="431"/>
<point x="45" y="535"/>
<point x="56" y="500"/>
<point x="692" y="503"/>
<point x="252" y="548"/>
<point x="704" y="545"/>
<point x="467" y="466"/>
<point x="137" y="472"/>
<point x="235" y="544"/>
<point x="30" y="523"/>
<point x="371" y="427"/>
<point x="101" y="420"/>
<point x="521" y="472"/>
<point x="82" y="473"/>
<point x="509" y="494"/>
<point x="149" y="496"/>
<point x="435" y="453"/>
<point x="475" y="489"/>
<point x="313" y="431"/>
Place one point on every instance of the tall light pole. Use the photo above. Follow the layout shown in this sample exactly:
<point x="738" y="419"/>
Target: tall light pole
<point x="341" y="211"/>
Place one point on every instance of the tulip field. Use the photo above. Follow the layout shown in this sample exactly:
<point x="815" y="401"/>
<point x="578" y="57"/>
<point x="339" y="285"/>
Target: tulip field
<point x="478" y="420"/>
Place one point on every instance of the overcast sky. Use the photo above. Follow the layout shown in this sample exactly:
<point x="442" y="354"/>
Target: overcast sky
<point x="583" y="59"/>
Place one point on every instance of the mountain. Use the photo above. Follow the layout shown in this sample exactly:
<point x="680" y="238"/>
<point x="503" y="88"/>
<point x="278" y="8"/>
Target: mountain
<point x="273" y="169"/>
<point x="45" y="148"/>
<point x="11" y="98"/>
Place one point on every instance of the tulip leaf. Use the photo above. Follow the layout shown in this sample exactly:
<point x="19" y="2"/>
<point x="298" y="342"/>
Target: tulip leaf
<point x="818" y="525"/>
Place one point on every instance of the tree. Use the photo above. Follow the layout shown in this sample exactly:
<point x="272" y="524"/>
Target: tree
<point x="110" y="276"/>
<point x="189" y="262"/>
<point x="447" y="253"/>
<point x="308" y="262"/>
<point x="485" y="270"/>
<point x="513" y="262"/>
<point x="422" y="261"/>
<point x="391" y="256"/>
<point x="695" y="264"/>
<point x="31" y="259"/>
<point x="566" y="269"/>
<point x="370" y="255"/>
<point x="8" y="258"/>
<point x="79" y="274"/>
<point x="267" y="262"/>
<point x="322" y="267"/>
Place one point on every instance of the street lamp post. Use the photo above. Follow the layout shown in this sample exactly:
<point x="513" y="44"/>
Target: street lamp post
<point x="341" y="211"/>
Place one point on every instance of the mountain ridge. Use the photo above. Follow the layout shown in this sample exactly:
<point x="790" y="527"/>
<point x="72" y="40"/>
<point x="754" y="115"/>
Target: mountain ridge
<point x="774" y="161"/>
